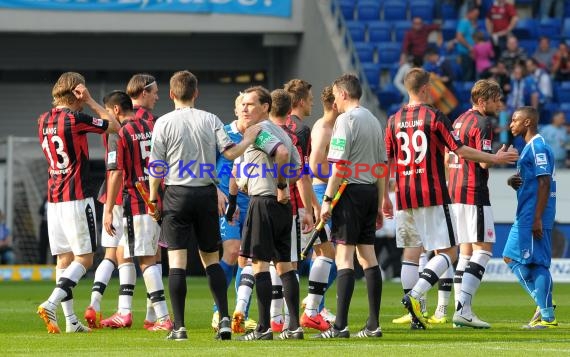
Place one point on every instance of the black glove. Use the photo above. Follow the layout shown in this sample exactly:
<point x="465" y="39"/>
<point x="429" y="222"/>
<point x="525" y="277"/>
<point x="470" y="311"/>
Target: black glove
<point x="514" y="181"/>
<point x="231" y="208"/>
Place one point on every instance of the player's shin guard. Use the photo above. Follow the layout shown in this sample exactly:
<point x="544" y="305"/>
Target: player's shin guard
<point x="374" y="288"/>
<point x="523" y="274"/>
<point x="276" y="309"/>
<point x="177" y="288"/>
<point x="318" y="282"/>
<point x="127" y="280"/>
<point x="543" y="291"/>
<point x="430" y="275"/>
<point x="291" y="295"/>
<point x="263" y="291"/>
<point x="458" y="278"/>
<point x="344" y="290"/>
<point x="155" y="291"/>
<point x="472" y="278"/>
<point x="102" y="277"/>
<point x="218" y="287"/>
<point x="409" y="275"/>
<point x="245" y="288"/>
<point x="445" y="284"/>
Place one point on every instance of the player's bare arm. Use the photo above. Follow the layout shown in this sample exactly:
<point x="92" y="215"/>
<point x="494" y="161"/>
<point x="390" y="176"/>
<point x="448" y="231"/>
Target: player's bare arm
<point x="542" y="194"/>
<point x="113" y="188"/>
<point x="248" y="138"/>
<point x="82" y="94"/>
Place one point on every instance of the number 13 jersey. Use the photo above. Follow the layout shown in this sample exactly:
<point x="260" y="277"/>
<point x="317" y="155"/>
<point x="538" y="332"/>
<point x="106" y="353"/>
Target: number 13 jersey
<point x="416" y="138"/>
<point x="62" y="134"/>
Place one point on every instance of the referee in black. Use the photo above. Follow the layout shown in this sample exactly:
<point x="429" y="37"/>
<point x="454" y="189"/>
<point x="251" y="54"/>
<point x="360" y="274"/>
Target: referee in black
<point x="184" y="146"/>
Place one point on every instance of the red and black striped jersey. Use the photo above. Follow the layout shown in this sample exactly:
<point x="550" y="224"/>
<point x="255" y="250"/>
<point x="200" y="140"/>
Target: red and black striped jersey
<point x="110" y="142"/>
<point x="467" y="179"/>
<point x="62" y="135"/>
<point x="416" y="138"/>
<point x="294" y="194"/>
<point x="144" y="114"/>
<point x="133" y="152"/>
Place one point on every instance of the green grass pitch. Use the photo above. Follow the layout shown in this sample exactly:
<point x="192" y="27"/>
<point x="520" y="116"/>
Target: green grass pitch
<point x="504" y="305"/>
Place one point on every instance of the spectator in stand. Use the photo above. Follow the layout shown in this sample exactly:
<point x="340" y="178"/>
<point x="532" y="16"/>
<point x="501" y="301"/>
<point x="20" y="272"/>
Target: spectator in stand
<point x="464" y="39"/>
<point x="501" y="19"/>
<point x="554" y="7"/>
<point x="482" y="53"/>
<point x="542" y="79"/>
<point x="556" y="135"/>
<point x="412" y="62"/>
<point x="465" y="5"/>
<point x="416" y="39"/>
<point x="513" y="53"/>
<point x="544" y="53"/>
<point x="500" y="75"/>
<point x="524" y="91"/>
<point x="561" y="63"/>
<point x="434" y="63"/>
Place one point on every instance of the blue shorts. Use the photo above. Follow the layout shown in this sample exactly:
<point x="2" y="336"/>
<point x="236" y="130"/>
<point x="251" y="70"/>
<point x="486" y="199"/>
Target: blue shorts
<point x="229" y="231"/>
<point x="523" y="248"/>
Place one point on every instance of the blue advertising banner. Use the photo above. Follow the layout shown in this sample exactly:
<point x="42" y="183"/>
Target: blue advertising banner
<point x="278" y="8"/>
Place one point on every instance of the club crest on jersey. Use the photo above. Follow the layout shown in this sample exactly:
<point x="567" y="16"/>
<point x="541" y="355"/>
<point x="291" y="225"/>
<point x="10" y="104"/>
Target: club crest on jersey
<point x="97" y="122"/>
<point x="490" y="233"/>
<point x="486" y="144"/>
<point x="540" y="159"/>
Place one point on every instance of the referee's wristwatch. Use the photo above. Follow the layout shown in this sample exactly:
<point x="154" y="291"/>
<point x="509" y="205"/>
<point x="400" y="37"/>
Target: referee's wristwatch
<point x="327" y="198"/>
<point x="281" y="185"/>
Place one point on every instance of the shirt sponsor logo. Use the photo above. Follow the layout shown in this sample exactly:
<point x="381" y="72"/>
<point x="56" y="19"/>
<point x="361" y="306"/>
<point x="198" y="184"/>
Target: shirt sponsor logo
<point x="486" y="144"/>
<point x="97" y="122"/>
<point x="540" y="159"/>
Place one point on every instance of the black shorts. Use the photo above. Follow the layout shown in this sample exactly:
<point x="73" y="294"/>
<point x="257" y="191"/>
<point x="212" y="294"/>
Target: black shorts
<point x="354" y="216"/>
<point x="267" y="231"/>
<point x="191" y="213"/>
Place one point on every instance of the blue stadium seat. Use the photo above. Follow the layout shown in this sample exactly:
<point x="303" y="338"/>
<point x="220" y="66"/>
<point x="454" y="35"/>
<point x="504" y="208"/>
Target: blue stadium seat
<point x="562" y="92"/>
<point x="549" y="27"/>
<point x="379" y="31"/>
<point x="400" y="29"/>
<point x="423" y="9"/>
<point x="546" y="113"/>
<point x="368" y="10"/>
<point x="463" y="91"/>
<point x="365" y="51"/>
<point x="529" y="46"/>
<point x="449" y="29"/>
<point x="347" y="8"/>
<point x="388" y="54"/>
<point x="393" y="109"/>
<point x="448" y="12"/>
<point x="357" y="30"/>
<point x="372" y="74"/>
<point x="566" y="27"/>
<point x="389" y="95"/>
<point x="395" y="10"/>
<point x="526" y="29"/>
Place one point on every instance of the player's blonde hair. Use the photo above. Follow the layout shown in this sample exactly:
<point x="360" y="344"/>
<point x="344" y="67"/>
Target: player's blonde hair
<point x="62" y="91"/>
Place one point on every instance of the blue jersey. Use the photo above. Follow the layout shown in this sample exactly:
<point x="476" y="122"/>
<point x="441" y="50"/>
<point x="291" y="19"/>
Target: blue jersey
<point x="224" y="166"/>
<point x="536" y="159"/>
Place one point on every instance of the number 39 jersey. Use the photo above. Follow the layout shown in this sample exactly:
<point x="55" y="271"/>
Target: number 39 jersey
<point x="133" y="152"/>
<point x="416" y="138"/>
<point x="62" y="134"/>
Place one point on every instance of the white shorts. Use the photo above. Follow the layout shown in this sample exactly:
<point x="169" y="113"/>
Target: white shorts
<point x="474" y="223"/>
<point x="108" y="241"/>
<point x="71" y="227"/>
<point x="141" y="236"/>
<point x="431" y="227"/>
